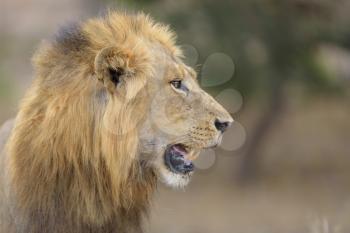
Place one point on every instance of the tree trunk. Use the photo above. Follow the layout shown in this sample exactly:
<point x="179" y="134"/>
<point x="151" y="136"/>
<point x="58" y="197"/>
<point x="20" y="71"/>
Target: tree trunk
<point x="250" y="167"/>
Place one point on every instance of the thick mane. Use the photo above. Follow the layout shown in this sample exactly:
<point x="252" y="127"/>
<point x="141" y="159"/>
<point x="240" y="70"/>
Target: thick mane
<point x="69" y="161"/>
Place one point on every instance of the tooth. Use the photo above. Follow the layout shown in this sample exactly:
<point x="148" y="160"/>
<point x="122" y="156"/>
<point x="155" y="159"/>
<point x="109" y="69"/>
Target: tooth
<point x="193" y="154"/>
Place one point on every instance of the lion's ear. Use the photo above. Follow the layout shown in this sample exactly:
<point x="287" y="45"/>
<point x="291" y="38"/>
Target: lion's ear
<point x="112" y="65"/>
<point x="122" y="71"/>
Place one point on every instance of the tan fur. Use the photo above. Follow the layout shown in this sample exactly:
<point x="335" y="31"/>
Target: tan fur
<point x="77" y="155"/>
<point x="96" y="166"/>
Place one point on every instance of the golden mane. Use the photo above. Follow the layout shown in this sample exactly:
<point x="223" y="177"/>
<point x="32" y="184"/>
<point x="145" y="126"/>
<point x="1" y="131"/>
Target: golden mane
<point x="73" y="154"/>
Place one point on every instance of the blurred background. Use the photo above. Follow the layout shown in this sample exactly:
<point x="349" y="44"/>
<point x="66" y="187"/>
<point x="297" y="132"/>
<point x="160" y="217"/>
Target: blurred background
<point x="282" y="68"/>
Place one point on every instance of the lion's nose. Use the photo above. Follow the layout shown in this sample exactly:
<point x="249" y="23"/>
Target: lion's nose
<point x="222" y="125"/>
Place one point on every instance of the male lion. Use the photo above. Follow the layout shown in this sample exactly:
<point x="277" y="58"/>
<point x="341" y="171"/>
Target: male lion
<point x="112" y="109"/>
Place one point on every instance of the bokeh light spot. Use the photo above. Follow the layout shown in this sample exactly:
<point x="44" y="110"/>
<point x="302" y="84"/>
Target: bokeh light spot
<point x="234" y="137"/>
<point x="205" y="160"/>
<point x="230" y="99"/>
<point x="217" y="69"/>
<point x="190" y="54"/>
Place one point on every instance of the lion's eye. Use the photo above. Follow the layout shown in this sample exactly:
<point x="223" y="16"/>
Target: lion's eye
<point x="179" y="86"/>
<point x="176" y="83"/>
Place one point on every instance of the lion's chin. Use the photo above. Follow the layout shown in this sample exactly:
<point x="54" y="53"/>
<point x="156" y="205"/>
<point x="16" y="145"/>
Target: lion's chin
<point x="174" y="180"/>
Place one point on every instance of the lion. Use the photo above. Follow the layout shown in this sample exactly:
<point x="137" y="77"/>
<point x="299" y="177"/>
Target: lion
<point x="112" y="110"/>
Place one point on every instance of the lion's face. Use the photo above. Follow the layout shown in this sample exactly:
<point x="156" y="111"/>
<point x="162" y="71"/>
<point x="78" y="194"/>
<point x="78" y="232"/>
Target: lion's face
<point x="155" y="97"/>
<point x="182" y="120"/>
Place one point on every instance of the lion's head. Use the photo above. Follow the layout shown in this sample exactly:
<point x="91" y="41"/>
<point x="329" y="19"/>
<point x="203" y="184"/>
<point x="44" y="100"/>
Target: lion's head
<point x="174" y="117"/>
<point x="112" y="108"/>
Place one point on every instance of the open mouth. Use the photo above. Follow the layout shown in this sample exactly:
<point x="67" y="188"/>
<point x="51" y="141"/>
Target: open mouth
<point x="176" y="159"/>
